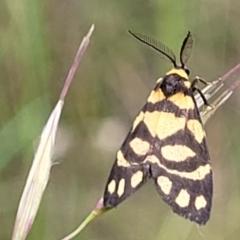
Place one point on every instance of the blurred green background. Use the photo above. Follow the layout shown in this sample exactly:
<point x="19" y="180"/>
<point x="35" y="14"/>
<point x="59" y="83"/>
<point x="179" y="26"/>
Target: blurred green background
<point x="38" y="41"/>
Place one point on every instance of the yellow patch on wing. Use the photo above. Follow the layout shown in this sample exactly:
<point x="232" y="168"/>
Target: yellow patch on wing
<point x="137" y="120"/>
<point x="121" y="161"/>
<point x="168" y="124"/>
<point x="163" y="124"/>
<point x="156" y="96"/>
<point x="177" y="153"/>
<point x="183" y="198"/>
<point x="153" y="159"/>
<point x="165" y="184"/>
<point x="139" y="146"/>
<point x="197" y="130"/>
<point x="112" y="186"/>
<point x="151" y="121"/>
<point x="121" y="187"/>
<point x="136" y="178"/>
<point x="199" y="174"/>
<point x="200" y="202"/>
<point x="182" y="101"/>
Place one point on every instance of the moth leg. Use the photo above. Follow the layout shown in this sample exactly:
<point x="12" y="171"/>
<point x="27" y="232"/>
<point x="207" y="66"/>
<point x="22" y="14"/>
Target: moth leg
<point x="205" y="101"/>
<point x="194" y="88"/>
<point x="199" y="79"/>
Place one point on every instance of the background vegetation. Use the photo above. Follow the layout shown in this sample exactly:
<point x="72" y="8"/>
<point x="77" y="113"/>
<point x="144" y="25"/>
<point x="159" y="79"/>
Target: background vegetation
<point x="38" y="41"/>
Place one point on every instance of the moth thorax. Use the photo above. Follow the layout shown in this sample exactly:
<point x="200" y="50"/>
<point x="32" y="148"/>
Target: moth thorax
<point x="173" y="84"/>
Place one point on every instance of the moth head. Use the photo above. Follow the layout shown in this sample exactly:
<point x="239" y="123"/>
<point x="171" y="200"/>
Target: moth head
<point x="185" y="51"/>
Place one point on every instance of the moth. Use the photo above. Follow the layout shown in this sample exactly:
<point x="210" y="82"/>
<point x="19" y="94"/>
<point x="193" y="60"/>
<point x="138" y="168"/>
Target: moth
<point x="167" y="143"/>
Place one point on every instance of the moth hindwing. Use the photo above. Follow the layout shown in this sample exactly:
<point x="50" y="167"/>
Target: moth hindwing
<point x="167" y="144"/>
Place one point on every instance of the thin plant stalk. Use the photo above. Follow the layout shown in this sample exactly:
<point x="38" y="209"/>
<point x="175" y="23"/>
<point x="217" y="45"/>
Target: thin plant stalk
<point x="40" y="170"/>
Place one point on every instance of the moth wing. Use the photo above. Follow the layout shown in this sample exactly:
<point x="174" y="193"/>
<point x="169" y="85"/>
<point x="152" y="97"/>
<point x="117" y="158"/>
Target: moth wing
<point x="129" y="171"/>
<point x="180" y="163"/>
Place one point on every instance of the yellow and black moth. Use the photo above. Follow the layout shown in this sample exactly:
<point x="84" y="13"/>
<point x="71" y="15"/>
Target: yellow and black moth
<point x="167" y="144"/>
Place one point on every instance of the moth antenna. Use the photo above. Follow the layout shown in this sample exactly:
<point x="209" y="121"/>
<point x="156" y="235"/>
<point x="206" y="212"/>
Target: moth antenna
<point x="186" y="49"/>
<point x="160" y="47"/>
